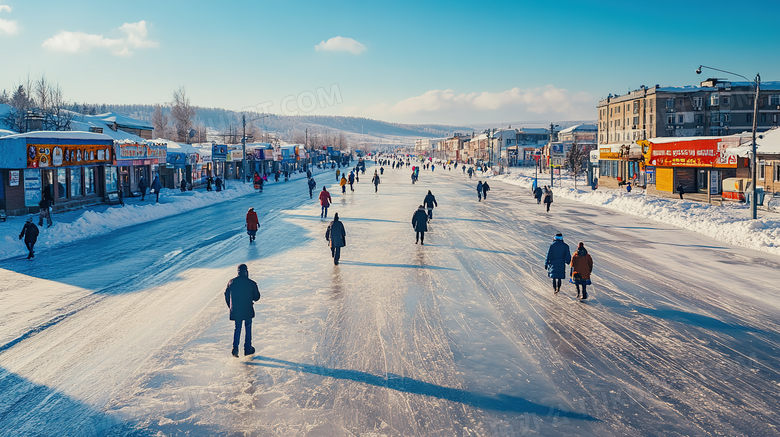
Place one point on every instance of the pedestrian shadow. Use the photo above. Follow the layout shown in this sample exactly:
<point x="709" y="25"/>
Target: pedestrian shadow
<point x="402" y="266"/>
<point x="343" y="219"/>
<point x="472" y="249"/>
<point x="464" y="220"/>
<point x="675" y="315"/>
<point x="404" y="384"/>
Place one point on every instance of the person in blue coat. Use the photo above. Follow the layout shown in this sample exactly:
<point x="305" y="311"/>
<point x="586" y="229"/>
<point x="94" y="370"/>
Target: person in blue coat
<point x="157" y="186"/>
<point x="479" y="191"/>
<point x="558" y="257"/>
<point x="240" y="295"/>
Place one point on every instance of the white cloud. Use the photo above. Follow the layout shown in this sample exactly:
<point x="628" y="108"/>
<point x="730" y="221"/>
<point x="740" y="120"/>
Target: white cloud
<point x="446" y="106"/>
<point x="7" y="27"/>
<point x="341" y="44"/>
<point x="75" y="42"/>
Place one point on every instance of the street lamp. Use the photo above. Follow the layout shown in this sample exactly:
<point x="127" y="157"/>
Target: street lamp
<point x="243" y="141"/>
<point x="756" y="84"/>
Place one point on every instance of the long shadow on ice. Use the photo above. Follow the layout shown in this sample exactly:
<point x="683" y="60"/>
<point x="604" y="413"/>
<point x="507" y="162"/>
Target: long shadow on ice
<point x="408" y="385"/>
<point x="402" y="266"/>
<point x="30" y="409"/>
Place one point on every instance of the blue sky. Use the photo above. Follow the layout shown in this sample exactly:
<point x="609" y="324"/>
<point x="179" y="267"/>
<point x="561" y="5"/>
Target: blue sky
<point x="414" y="62"/>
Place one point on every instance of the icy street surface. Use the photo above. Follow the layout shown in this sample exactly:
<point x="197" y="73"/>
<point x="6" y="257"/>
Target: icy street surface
<point x="128" y="333"/>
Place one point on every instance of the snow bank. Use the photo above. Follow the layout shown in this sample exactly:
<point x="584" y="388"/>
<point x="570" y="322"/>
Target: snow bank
<point x="92" y="223"/>
<point x="729" y="223"/>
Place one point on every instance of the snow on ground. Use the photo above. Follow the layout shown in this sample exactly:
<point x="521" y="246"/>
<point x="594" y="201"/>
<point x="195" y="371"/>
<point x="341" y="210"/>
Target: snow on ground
<point x="729" y="223"/>
<point x="103" y="219"/>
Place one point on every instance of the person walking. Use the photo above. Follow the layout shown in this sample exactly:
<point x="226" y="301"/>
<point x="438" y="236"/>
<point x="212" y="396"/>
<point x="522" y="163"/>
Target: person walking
<point x="479" y="190"/>
<point x="338" y="173"/>
<point x="375" y="180"/>
<point x="142" y="185"/>
<point x="325" y="202"/>
<point x="628" y="188"/>
<point x="44" y="212"/>
<point x="430" y="202"/>
<point x="558" y="257"/>
<point x="209" y="182"/>
<point x="680" y="190"/>
<point x="218" y="183"/>
<point x="157" y="186"/>
<point x="538" y="195"/>
<point x="343" y="184"/>
<point x="336" y="236"/>
<point x="30" y="235"/>
<point x="351" y="180"/>
<point x="420" y="224"/>
<point x="240" y="295"/>
<point x="252" y="224"/>
<point x="381" y="170"/>
<point x="312" y="186"/>
<point x="485" y="189"/>
<point x="581" y="268"/>
<point x="548" y="198"/>
<point x="183" y="185"/>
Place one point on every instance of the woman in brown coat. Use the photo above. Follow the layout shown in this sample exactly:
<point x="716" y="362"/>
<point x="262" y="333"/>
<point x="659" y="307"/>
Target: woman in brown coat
<point x="582" y="266"/>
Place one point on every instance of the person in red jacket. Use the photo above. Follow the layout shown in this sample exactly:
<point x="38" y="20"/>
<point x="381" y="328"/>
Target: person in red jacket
<point x="252" y="224"/>
<point x="325" y="201"/>
<point x="581" y="266"/>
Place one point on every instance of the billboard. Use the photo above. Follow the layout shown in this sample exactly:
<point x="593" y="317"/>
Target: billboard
<point x="219" y="152"/>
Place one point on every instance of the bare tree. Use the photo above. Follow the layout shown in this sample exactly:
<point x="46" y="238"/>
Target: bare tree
<point x="183" y="114"/>
<point x="4" y="98"/>
<point x="20" y="103"/>
<point x="160" y="122"/>
<point x="574" y="160"/>
<point x="56" y="115"/>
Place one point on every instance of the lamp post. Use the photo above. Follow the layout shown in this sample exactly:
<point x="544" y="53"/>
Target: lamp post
<point x="243" y="142"/>
<point x="756" y="84"/>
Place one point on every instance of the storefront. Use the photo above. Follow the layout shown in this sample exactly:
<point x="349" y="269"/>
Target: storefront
<point x="74" y="167"/>
<point x="136" y="160"/>
<point x="620" y="164"/>
<point x="260" y="158"/>
<point x="699" y="164"/>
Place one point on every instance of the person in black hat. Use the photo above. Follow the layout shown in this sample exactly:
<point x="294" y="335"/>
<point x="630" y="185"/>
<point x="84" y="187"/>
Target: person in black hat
<point x="30" y="235"/>
<point x="240" y="294"/>
<point x="558" y="257"/>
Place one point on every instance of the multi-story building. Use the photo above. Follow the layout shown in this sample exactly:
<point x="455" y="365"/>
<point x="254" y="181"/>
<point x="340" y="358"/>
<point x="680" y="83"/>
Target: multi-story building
<point x="714" y="108"/>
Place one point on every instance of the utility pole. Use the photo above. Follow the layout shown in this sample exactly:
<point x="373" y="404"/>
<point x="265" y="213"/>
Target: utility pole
<point x="243" y="144"/>
<point x="754" y="203"/>
<point x="549" y="152"/>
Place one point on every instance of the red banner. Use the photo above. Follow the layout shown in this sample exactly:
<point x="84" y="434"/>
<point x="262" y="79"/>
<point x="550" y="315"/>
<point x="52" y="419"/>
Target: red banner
<point x="707" y="152"/>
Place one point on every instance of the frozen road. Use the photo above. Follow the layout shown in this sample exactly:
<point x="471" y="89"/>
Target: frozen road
<point x="128" y="334"/>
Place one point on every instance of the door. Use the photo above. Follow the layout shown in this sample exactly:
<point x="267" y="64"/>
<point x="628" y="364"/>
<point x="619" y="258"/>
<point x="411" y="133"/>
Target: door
<point x="702" y="180"/>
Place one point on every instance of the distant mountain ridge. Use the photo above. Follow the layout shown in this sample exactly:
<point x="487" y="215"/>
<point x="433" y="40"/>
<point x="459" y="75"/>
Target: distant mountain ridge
<point x="222" y="119"/>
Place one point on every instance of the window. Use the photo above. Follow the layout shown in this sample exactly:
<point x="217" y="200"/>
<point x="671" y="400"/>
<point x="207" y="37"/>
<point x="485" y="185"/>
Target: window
<point x="749" y="118"/>
<point x="680" y="119"/>
<point x="75" y="182"/>
<point x="670" y="119"/>
<point x="774" y="118"/>
<point x="714" y="99"/>
<point x="761" y="169"/>
<point x="89" y="180"/>
<point x="763" y="120"/>
<point x="62" y="183"/>
<point x="697" y="102"/>
<point x="617" y="124"/>
<point x="774" y="99"/>
<point x="617" y="110"/>
<point x="698" y="119"/>
<point x="670" y="103"/>
<point x="727" y="119"/>
<point x="777" y="172"/>
<point x="111" y="178"/>
<point x="636" y="121"/>
<point x="715" y="117"/>
<point x="725" y="101"/>
<point x="636" y="107"/>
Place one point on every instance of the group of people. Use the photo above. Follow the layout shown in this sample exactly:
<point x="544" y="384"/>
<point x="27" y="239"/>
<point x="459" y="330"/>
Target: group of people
<point x="155" y="187"/>
<point x="581" y="266"/>
<point x="543" y="195"/>
<point x="482" y="190"/>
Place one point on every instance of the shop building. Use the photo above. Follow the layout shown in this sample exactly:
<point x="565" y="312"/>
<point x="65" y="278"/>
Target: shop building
<point x="136" y="160"/>
<point x="77" y="168"/>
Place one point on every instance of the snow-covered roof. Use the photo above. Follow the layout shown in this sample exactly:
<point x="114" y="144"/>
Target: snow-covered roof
<point x="4" y="132"/>
<point x="62" y="135"/>
<point x="175" y="147"/>
<point x="579" y="128"/>
<point x="666" y="140"/>
<point x="768" y="143"/>
<point x="120" y="120"/>
<point x="86" y="122"/>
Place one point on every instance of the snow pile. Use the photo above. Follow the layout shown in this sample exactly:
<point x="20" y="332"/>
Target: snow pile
<point x="729" y="223"/>
<point x="91" y="223"/>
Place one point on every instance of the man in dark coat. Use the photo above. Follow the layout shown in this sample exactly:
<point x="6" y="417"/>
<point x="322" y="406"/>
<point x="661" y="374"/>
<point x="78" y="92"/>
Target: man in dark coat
<point x="218" y="183"/>
<point x="30" y="235"/>
<point x="429" y="202"/>
<point x="558" y="257"/>
<point x="240" y="294"/>
<point x="479" y="190"/>
<point x="681" y="190"/>
<point x="336" y="235"/>
<point x="548" y="198"/>
<point x="485" y="189"/>
<point x="420" y="224"/>
<point x="351" y="180"/>
<point x="312" y="186"/>
<point x="142" y="185"/>
<point x="157" y="186"/>
<point x="375" y="180"/>
<point x="538" y="195"/>
<point x="44" y="212"/>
